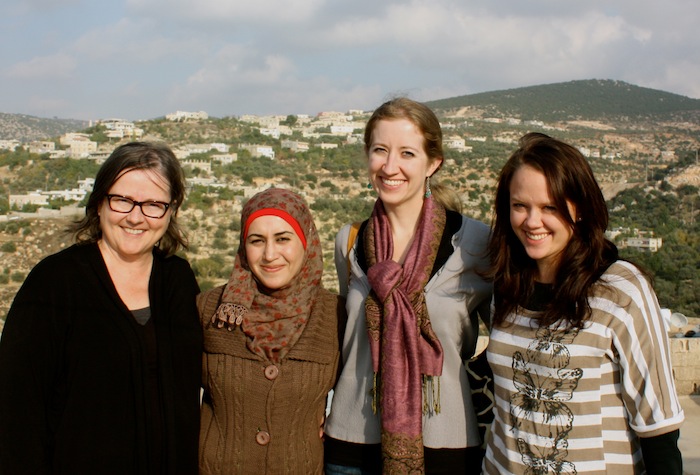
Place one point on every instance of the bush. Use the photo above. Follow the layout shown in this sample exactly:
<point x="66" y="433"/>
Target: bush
<point x="8" y="246"/>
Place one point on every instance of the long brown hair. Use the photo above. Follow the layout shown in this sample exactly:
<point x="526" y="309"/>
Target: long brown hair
<point x="588" y="254"/>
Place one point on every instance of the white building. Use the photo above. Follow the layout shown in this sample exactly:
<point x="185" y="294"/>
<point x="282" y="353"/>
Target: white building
<point x="326" y="146"/>
<point x="295" y="145"/>
<point x="265" y="121"/>
<point x="68" y="138"/>
<point x="74" y="194"/>
<point x="33" y="198"/>
<point x="342" y="129"/>
<point x="120" y="128"/>
<point x="40" y="147"/>
<point x="457" y="143"/>
<point x="182" y="116"/>
<point x="644" y="243"/>
<point x="274" y="133"/>
<point x="82" y="149"/>
<point x="87" y="184"/>
<point x="9" y="144"/>
<point x="259" y="150"/>
<point x="225" y="158"/>
<point x="203" y="165"/>
<point x="219" y="147"/>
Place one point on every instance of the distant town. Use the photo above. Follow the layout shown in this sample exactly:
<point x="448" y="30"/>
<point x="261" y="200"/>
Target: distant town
<point x="347" y="126"/>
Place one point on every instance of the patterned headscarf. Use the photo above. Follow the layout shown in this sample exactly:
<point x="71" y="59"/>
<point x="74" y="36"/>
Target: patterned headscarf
<point x="273" y="320"/>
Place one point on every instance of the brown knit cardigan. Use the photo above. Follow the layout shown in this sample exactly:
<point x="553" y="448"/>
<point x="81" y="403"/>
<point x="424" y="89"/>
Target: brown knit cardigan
<point x="263" y="418"/>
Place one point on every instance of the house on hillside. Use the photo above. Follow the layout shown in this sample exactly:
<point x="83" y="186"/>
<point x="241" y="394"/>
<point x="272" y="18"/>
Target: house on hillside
<point x="650" y="244"/>
<point x="259" y="150"/>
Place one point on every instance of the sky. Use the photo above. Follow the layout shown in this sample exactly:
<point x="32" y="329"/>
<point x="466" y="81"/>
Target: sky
<point x="143" y="59"/>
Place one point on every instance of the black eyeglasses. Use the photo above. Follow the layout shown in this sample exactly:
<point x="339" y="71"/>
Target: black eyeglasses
<point x="151" y="209"/>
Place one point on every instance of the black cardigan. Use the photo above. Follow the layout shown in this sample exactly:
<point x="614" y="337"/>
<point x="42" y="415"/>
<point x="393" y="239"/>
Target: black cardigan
<point x="74" y="376"/>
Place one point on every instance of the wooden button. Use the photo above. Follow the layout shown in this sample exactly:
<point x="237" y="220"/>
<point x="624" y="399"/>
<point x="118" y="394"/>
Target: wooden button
<point x="271" y="372"/>
<point x="262" y="437"/>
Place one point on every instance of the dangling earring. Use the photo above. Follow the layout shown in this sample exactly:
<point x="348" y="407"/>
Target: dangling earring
<point x="428" y="193"/>
<point x="369" y="186"/>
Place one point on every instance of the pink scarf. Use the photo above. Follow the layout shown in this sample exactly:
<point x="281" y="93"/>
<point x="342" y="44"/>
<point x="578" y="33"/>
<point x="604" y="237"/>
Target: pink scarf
<point x="406" y="353"/>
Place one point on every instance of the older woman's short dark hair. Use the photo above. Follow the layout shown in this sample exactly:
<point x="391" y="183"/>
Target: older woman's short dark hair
<point x="153" y="156"/>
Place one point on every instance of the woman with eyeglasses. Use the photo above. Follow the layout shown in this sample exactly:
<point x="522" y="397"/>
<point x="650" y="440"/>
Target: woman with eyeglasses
<point x="100" y="357"/>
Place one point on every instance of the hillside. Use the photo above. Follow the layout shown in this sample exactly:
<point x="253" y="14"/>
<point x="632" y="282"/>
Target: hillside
<point x="592" y="99"/>
<point x="26" y="128"/>
<point x="649" y="161"/>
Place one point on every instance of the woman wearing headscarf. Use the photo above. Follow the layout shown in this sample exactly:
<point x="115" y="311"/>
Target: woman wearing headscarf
<point x="271" y="346"/>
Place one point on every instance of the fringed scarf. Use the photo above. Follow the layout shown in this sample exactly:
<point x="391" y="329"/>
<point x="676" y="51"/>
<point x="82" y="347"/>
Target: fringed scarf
<point x="406" y="353"/>
<point x="273" y="319"/>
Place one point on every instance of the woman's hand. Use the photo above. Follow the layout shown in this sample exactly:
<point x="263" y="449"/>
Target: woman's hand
<point x="228" y="314"/>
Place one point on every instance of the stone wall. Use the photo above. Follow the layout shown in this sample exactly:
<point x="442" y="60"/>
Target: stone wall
<point x="685" y="355"/>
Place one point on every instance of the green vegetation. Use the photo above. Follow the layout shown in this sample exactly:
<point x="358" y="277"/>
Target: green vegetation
<point x="626" y="129"/>
<point x="591" y="99"/>
<point x="8" y="246"/>
<point x="673" y="216"/>
<point x="37" y="172"/>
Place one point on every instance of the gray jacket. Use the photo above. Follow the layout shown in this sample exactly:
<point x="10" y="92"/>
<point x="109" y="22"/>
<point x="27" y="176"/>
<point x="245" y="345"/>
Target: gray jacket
<point x="456" y="295"/>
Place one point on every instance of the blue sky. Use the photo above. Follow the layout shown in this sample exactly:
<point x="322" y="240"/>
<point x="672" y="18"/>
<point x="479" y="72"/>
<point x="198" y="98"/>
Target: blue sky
<point x="141" y="59"/>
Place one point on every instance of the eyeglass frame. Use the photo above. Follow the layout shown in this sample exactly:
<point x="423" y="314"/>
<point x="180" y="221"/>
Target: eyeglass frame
<point x="140" y="204"/>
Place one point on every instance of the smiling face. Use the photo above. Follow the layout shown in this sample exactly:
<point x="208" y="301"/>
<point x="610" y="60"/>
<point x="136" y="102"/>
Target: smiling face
<point x="398" y="163"/>
<point x="274" y="252"/>
<point x="541" y="228"/>
<point x="131" y="236"/>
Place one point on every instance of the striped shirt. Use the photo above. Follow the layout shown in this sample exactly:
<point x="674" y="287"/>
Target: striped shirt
<point x="575" y="401"/>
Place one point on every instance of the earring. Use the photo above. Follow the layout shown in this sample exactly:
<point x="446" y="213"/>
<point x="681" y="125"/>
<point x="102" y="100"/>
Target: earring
<point x="369" y="186"/>
<point x="428" y="193"/>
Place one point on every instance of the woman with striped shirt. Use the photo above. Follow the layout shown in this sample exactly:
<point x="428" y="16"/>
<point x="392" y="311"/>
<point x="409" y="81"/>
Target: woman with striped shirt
<point x="579" y="351"/>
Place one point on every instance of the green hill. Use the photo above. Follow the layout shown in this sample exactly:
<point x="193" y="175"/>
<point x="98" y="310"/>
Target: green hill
<point x="585" y="99"/>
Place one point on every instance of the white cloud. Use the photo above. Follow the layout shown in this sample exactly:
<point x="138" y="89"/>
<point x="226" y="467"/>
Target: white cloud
<point x="145" y="58"/>
<point x="138" y="41"/>
<point x="238" y="80"/>
<point x="60" y="65"/>
<point x="229" y="11"/>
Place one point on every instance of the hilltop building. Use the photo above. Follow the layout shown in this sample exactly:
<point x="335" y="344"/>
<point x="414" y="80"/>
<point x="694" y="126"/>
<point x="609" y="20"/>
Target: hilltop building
<point x="265" y="121"/>
<point x="182" y="116"/>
